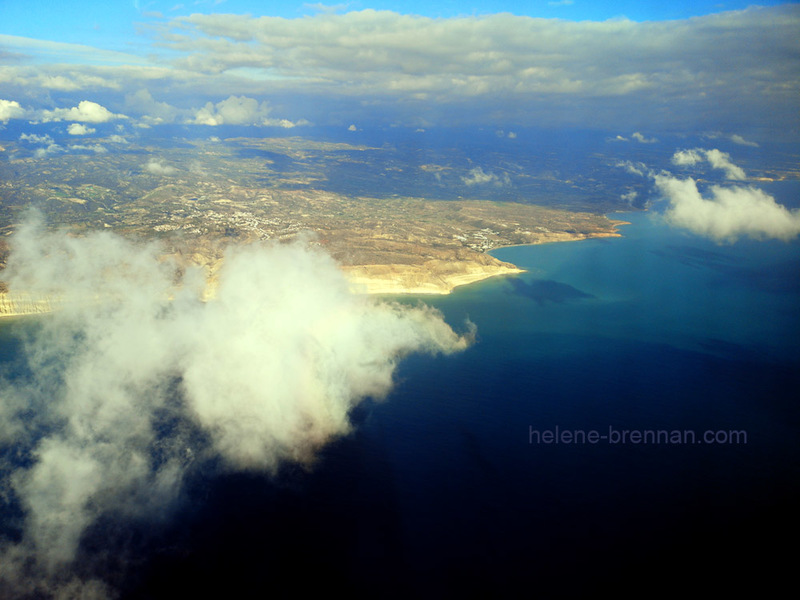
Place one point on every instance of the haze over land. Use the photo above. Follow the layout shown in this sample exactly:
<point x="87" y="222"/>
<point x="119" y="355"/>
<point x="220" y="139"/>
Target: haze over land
<point x="205" y="191"/>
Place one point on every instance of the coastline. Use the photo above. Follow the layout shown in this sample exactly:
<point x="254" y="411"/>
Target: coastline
<point x="362" y="282"/>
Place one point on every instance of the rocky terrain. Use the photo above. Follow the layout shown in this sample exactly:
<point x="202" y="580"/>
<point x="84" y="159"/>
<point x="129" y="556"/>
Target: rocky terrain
<point x="200" y="199"/>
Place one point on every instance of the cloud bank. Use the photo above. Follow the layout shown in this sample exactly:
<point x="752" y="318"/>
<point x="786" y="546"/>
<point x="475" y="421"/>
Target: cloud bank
<point x="382" y="66"/>
<point x="135" y="383"/>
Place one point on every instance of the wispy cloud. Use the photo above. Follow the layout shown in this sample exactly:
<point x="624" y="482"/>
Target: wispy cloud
<point x="737" y="139"/>
<point x="478" y="176"/>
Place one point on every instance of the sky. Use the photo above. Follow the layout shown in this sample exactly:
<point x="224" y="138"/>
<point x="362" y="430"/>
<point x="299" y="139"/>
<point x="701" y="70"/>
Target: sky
<point x="624" y="66"/>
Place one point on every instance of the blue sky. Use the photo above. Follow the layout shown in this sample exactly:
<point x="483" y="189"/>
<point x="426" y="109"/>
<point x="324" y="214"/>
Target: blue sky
<point x="618" y="66"/>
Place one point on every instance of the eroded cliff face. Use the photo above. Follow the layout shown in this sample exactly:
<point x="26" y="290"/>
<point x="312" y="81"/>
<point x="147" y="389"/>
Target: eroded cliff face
<point x="14" y="304"/>
<point x="431" y="277"/>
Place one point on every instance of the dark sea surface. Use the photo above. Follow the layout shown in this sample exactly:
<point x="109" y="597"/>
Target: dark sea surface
<point x="448" y="487"/>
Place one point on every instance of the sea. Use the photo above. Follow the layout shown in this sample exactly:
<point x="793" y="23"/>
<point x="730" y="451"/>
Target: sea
<point x="626" y="422"/>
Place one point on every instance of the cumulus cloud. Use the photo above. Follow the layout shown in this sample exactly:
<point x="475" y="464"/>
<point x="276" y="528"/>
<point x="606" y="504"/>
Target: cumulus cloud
<point x="150" y="110"/>
<point x="478" y="176"/>
<point x="154" y="167"/>
<point x="85" y="112"/>
<point x="727" y="213"/>
<point x="716" y="158"/>
<point x="80" y="129"/>
<point x="235" y="110"/>
<point x="10" y="109"/>
<point x="687" y="157"/>
<point x="135" y="383"/>
<point x="723" y="213"/>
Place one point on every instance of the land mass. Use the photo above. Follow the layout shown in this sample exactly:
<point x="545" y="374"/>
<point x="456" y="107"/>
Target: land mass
<point x="390" y="245"/>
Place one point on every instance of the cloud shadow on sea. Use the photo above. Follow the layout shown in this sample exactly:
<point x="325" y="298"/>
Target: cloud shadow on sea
<point x="543" y="291"/>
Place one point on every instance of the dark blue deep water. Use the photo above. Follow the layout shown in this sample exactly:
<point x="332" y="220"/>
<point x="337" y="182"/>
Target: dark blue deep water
<point x="443" y="490"/>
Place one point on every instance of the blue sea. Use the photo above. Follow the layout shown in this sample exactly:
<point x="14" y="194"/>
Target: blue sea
<point x="626" y="422"/>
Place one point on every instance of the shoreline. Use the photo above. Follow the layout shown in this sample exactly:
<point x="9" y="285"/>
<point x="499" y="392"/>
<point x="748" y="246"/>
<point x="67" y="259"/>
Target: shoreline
<point x="378" y="286"/>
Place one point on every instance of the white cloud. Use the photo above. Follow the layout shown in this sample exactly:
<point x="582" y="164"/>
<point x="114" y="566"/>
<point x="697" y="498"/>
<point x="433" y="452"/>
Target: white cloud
<point x="10" y="109"/>
<point x="118" y="139"/>
<point x="540" y="67"/>
<point x="34" y="138"/>
<point x="52" y="148"/>
<point x="642" y="139"/>
<point x="285" y="123"/>
<point x="716" y="158"/>
<point x="737" y="139"/>
<point x="96" y="148"/>
<point x="235" y="110"/>
<point x="722" y="160"/>
<point x="728" y="213"/>
<point x="634" y="168"/>
<point x="498" y="69"/>
<point x="635" y="136"/>
<point x="687" y="157"/>
<point x="352" y="127"/>
<point x="150" y="110"/>
<point x="79" y="129"/>
<point x="266" y="372"/>
<point x="478" y="176"/>
<point x="155" y="167"/>
<point x="85" y="112"/>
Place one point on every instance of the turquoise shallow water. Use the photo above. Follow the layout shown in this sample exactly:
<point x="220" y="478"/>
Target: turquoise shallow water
<point x="448" y="485"/>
